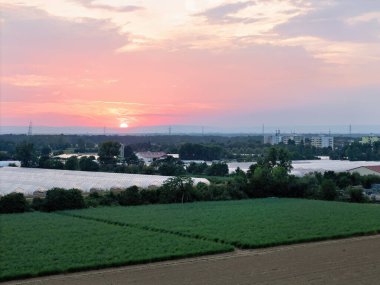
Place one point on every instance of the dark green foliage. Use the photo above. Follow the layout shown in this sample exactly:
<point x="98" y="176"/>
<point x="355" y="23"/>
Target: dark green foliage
<point x="38" y="204"/>
<point x="356" y="195"/>
<point x="130" y="196"/>
<point x="197" y="168"/>
<point x="13" y="203"/>
<point x="26" y="153"/>
<point x="58" y="199"/>
<point x="368" y="180"/>
<point x="217" y="169"/>
<point x="50" y="163"/>
<point x="72" y="163"/>
<point x="108" y="152"/>
<point x="88" y="163"/>
<point x="358" y="152"/>
<point x="169" y="166"/>
<point x="34" y="244"/>
<point x="190" y="151"/>
<point x="328" y="190"/>
<point x="149" y="196"/>
<point x="176" y="190"/>
<point x="129" y="155"/>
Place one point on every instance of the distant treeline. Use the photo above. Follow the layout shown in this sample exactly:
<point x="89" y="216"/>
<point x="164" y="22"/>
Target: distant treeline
<point x="197" y="147"/>
<point x="270" y="177"/>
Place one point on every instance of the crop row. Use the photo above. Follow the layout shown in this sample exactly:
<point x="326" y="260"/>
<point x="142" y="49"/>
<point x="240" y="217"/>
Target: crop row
<point x="249" y="223"/>
<point x="34" y="244"/>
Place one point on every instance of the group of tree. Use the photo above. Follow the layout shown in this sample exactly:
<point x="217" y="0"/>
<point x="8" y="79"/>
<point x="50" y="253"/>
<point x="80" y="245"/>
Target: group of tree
<point x="266" y="180"/>
<point x="191" y="151"/>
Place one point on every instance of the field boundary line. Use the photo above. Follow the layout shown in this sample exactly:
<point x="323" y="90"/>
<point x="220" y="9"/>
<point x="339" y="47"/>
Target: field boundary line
<point x="234" y="244"/>
<point x="148" y="228"/>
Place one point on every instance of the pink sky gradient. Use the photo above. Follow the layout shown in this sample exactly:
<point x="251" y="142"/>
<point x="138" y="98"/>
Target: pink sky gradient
<point x="218" y="63"/>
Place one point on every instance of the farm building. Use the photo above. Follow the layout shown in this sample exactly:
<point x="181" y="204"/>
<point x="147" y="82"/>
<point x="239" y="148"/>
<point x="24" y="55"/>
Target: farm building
<point x="367" y="170"/>
<point x="149" y="156"/>
<point x="29" y="180"/>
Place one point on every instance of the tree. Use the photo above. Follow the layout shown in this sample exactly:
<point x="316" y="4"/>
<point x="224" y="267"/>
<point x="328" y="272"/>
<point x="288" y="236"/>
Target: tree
<point x="13" y="203"/>
<point x="217" y="169"/>
<point x="169" y="166"/>
<point x="328" y="190"/>
<point x="176" y="189"/>
<point x="108" y="152"/>
<point x="129" y="155"/>
<point x="356" y="194"/>
<point x="25" y="152"/>
<point x="190" y="151"/>
<point x="60" y="199"/>
<point x="284" y="159"/>
<point x="72" y="163"/>
<point x="88" y="163"/>
<point x="130" y="196"/>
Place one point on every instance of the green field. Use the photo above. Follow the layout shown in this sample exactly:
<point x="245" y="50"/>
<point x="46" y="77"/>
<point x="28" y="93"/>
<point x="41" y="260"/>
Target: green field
<point x="250" y="223"/>
<point x="39" y="243"/>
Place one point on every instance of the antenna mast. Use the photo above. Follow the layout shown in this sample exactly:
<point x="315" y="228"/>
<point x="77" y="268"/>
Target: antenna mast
<point x="30" y="129"/>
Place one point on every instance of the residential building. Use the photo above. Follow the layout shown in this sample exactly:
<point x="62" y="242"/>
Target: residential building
<point x="369" y="140"/>
<point x="121" y="151"/>
<point x="296" y="138"/>
<point x="322" y="141"/>
<point x="278" y="138"/>
<point x="273" y="139"/>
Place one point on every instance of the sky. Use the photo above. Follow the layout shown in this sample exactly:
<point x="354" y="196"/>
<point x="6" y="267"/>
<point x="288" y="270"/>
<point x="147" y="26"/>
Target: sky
<point x="230" y="65"/>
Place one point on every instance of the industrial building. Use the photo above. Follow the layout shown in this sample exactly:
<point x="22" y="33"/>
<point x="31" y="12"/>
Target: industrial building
<point x="367" y="170"/>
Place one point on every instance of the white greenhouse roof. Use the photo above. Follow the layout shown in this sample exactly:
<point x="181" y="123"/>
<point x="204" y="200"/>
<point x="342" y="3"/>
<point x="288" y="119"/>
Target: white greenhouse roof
<point x="28" y="180"/>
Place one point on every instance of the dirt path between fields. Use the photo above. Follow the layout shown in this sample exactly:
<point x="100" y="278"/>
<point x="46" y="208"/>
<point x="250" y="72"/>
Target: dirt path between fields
<point x="346" y="261"/>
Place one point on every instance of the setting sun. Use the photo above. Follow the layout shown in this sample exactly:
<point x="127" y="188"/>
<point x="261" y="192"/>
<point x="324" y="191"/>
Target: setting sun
<point x="123" y="125"/>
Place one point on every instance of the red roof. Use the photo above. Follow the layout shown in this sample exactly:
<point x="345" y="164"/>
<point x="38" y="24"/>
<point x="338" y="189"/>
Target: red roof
<point x="375" y="168"/>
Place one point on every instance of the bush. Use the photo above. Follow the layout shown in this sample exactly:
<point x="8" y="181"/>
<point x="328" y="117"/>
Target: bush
<point x="38" y="204"/>
<point x="130" y="196"/>
<point x="149" y="196"/>
<point x="328" y="190"/>
<point x="13" y="203"/>
<point x="60" y="199"/>
<point x="356" y="195"/>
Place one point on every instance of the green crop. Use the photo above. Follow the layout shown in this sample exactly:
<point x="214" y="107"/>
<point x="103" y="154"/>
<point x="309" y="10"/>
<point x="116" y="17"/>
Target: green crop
<point x="35" y="244"/>
<point x="250" y="223"/>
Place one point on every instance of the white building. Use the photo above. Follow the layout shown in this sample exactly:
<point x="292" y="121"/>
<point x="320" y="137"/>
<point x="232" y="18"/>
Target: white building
<point x="322" y="141"/>
<point x="296" y="138"/>
<point x="278" y="138"/>
<point x="273" y="139"/>
<point x="370" y="140"/>
<point x="149" y="156"/>
<point x="366" y="170"/>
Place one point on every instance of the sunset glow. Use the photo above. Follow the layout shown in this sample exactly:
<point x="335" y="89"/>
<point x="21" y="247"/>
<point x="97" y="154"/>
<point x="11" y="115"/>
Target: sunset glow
<point x="127" y="64"/>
